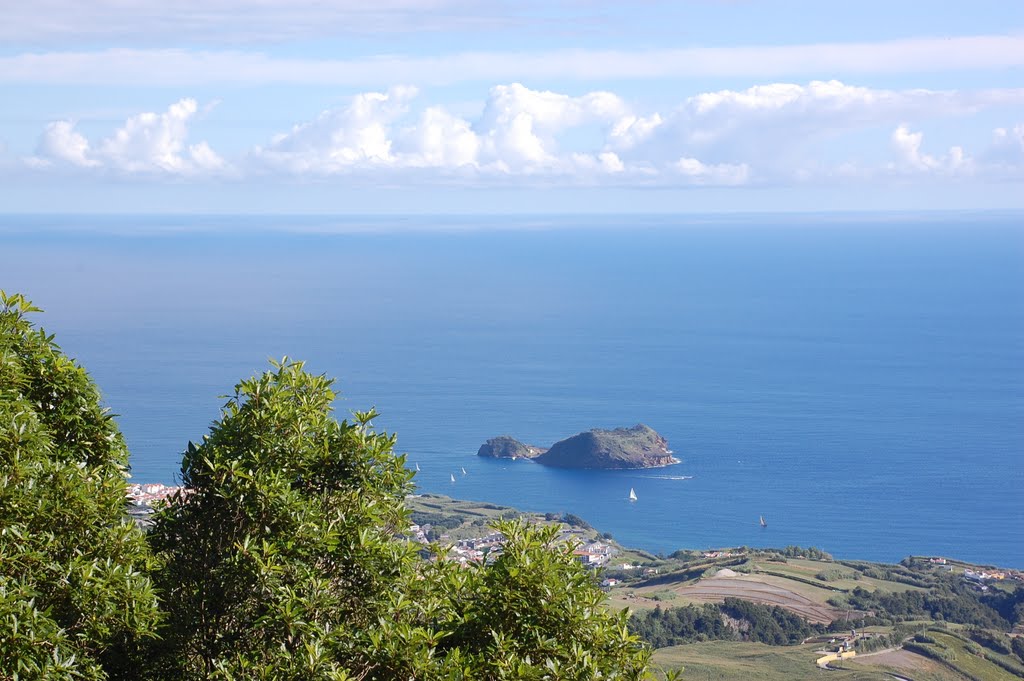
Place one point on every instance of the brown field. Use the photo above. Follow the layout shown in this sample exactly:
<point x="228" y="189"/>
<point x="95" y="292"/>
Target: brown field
<point x="903" y="664"/>
<point x="717" y="589"/>
<point x="912" y="664"/>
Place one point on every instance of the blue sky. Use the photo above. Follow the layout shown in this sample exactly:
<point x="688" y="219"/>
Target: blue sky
<point x="405" y="106"/>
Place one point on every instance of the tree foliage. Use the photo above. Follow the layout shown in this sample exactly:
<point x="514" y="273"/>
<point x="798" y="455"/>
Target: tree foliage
<point x="75" y="598"/>
<point x="733" y="620"/>
<point x="535" y="613"/>
<point x="281" y="555"/>
<point x="282" y="559"/>
<point x="951" y="601"/>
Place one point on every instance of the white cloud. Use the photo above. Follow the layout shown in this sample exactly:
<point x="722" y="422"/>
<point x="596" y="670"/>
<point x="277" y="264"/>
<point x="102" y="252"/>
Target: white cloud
<point x="1006" y="152"/>
<point x="516" y="133"/>
<point x="910" y="158"/>
<point x="146" y="143"/>
<point x="359" y="133"/>
<point x="60" y="142"/>
<point x="728" y="174"/>
<point x="519" y="126"/>
<point x="234" y="21"/>
<point x="779" y="129"/>
<point x="610" y="162"/>
<point x="631" y="130"/>
<point x="767" y="134"/>
<point x="180" y="67"/>
<point x="440" y="140"/>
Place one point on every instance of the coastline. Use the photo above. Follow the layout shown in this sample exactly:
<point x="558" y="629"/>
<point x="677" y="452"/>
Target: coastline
<point x="143" y="500"/>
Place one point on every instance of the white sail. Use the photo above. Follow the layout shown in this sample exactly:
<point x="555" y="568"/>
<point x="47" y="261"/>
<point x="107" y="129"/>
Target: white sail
<point x="417" y="468"/>
<point x="463" y="471"/>
<point x="453" y="477"/>
<point x="632" y="494"/>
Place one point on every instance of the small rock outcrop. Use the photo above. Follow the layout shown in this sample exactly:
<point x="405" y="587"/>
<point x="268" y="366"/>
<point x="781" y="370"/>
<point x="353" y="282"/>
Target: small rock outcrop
<point x="505" y="447"/>
<point x="637" y="447"/>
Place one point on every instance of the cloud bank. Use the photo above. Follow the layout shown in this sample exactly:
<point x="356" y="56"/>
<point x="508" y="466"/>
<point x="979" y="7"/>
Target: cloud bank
<point x="234" y="21"/>
<point x="765" y="135"/>
<point x="191" y="68"/>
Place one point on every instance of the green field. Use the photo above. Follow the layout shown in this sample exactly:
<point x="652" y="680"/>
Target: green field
<point x="957" y="655"/>
<point x="733" y="661"/>
<point x="468" y="519"/>
<point x="808" y="569"/>
<point x="777" y="575"/>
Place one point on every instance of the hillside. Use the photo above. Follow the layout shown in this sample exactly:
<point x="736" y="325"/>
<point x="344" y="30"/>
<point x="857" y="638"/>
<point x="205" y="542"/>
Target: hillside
<point x="740" y="613"/>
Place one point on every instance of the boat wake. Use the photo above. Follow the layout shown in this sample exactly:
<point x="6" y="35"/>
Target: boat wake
<point x="666" y="477"/>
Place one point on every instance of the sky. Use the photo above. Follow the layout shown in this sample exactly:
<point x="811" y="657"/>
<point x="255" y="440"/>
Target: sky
<point x="451" y="106"/>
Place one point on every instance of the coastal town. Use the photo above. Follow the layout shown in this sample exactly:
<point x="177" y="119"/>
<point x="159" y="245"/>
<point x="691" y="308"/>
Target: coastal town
<point x="144" y="499"/>
<point x="591" y="552"/>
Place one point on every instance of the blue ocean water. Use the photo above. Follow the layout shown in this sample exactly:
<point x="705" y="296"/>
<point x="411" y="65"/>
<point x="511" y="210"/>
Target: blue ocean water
<point x="856" y="379"/>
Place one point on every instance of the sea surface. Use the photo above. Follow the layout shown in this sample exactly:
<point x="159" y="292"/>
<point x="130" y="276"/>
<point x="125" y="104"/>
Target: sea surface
<point x="857" y="379"/>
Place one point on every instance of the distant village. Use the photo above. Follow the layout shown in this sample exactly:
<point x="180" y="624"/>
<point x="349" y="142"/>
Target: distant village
<point x="486" y="549"/>
<point x="591" y="553"/>
<point x="144" y="498"/>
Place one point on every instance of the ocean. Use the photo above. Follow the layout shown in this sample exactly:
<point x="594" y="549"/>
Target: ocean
<point x="857" y="379"/>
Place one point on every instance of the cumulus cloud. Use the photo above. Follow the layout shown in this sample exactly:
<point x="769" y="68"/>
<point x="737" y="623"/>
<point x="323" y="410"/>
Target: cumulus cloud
<point x="517" y="133"/>
<point x="61" y="143"/>
<point x="519" y="126"/>
<point x="771" y="118"/>
<point x="1006" y="151"/>
<point x="729" y="174"/>
<point x="146" y="143"/>
<point x="357" y="134"/>
<point x="910" y="158"/>
<point x="766" y="134"/>
<point x="440" y="140"/>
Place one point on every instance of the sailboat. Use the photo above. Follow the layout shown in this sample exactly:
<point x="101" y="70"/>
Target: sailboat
<point x="632" y="494"/>
<point x="764" y="523"/>
<point x="453" y="477"/>
<point x="417" y="468"/>
<point x="463" y="471"/>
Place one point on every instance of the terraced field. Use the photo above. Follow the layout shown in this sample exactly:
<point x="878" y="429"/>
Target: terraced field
<point x="903" y="664"/>
<point x="757" y="590"/>
<point x="762" y="589"/>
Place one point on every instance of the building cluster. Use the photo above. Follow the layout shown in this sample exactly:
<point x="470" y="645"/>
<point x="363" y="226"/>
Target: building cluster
<point x="983" y="575"/>
<point x="146" y="495"/>
<point x="484" y="549"/>
<point x="487" y="548"/>
<point x="594" y="554"/>
<point x="646" y="571"/>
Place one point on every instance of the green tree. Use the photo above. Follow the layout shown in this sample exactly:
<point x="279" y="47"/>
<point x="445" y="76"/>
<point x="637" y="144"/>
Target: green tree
<point x="281" y="559"/>
<point x="535" y="613"/>
<point x="75" y="601"/>
<point x="282" y="562"/>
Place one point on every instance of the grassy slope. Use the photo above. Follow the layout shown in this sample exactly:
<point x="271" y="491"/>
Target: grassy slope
<point x="807" y="569"/>
<point x="973" y="665"/>
<point x="476" y="517"/>
<point x="732" y="661"/>
<point x="727" y="660"/>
